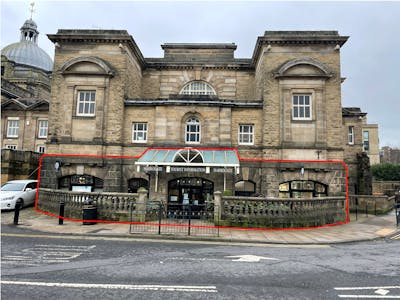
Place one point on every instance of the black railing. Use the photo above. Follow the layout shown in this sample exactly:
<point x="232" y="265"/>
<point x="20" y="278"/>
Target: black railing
<point x="181" y="219"/>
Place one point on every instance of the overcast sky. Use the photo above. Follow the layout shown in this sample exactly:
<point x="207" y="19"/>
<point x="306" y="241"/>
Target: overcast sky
<point x="370" y="58"/>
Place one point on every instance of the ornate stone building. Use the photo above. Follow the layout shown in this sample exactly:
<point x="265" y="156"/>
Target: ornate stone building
<point x="25" y="90"/>
<point x="197" y="120"/>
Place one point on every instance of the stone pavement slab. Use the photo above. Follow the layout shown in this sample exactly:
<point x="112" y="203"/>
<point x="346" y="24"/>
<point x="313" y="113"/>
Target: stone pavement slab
<point x="364" y="228"/>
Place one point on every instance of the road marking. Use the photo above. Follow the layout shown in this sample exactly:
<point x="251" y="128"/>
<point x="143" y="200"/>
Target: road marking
<point x="40" y="254"/>
<point x="369" y="296"/>
<point x="170" y="288"/>
<point x="250" y="258"/>
<point x="381" y="292"/>
<point x="395" y="237"/>
<point x="367" y="288"/>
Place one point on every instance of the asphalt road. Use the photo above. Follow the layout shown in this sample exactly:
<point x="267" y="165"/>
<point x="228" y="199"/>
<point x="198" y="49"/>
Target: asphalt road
<point x="36" y="266"/>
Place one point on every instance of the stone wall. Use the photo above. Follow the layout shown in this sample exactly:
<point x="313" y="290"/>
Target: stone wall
<point x="385" y="187"/>
<point x="371" y="204"/>
<point x="18" y="165"/>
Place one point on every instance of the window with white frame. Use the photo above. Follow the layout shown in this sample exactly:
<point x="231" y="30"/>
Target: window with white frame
<point x="12" y="128"/>
<point x="43" y="126"/>
<point x="139" y="132"/>
<point x="351" y="135"/>
<point x="192" y="131"/>
<point x="365" y="141"/>
<point x="197" y="88"/>
<point x="41" y="148"/>
<point x="13" y="147"/>
<point x="86" y="103"/>
<point x="301" y="107"/>
<point x="246" y="134"/>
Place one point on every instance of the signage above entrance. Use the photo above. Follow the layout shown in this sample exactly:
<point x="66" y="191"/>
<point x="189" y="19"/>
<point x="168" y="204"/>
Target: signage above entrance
<point x="199" y="160"/>
<point x="170" y="169"/>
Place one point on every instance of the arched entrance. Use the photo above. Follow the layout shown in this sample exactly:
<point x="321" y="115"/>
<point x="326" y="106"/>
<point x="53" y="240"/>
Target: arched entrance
<point x="189" y="190"/>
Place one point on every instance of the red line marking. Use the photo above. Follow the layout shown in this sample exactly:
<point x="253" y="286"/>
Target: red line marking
<point x="347" y="220"/>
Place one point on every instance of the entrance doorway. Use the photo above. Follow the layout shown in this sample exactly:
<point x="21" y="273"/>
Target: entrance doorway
<point x="195" y="191"/>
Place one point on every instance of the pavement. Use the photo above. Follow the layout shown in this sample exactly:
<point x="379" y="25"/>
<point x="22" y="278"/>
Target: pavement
<point x="361" y="228"/>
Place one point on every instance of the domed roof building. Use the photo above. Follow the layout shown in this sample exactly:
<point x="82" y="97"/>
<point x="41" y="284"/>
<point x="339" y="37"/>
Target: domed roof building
<point x="25" y="92"/>
<point x="26" y="66"/>
<point x="27" y="52"/>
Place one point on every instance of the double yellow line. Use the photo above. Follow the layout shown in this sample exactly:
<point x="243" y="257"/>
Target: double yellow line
<point x="395" y="237"/>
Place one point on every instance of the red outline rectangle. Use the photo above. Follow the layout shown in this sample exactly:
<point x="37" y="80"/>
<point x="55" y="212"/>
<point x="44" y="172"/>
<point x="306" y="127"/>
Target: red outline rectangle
<point x="222" y="227"/>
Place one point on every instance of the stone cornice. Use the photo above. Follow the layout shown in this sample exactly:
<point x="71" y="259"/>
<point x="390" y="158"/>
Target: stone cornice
<point x="231" y="46"/>
<point x="98" y="36"/>
<point x="197" y="102"/>
<point x="297" y="38"/>
<point x="160" y="63"/>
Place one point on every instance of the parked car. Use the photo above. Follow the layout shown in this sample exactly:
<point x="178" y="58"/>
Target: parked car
<point x="23" y="190"/>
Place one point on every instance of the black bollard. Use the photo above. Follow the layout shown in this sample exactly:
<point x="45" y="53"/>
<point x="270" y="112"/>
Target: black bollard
<point x="16" y="211"/>
<point x="61" y="213"/>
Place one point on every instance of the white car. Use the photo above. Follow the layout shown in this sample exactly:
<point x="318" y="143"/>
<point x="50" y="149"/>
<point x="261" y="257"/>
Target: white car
<point x="23" y="190"/>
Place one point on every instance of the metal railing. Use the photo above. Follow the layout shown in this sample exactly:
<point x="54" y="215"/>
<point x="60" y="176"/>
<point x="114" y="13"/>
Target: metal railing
<point x="182" y="219"/>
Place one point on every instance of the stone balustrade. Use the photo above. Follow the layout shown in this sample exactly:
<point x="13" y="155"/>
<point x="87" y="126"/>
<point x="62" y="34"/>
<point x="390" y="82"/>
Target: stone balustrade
<point x="252" y="212"/>
<point x="278" y="212"/>
<point x="110" y="206"/>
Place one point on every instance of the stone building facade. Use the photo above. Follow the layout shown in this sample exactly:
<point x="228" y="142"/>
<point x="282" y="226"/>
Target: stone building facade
<point x="25" y="90"/>
<point x="197" y="120"/>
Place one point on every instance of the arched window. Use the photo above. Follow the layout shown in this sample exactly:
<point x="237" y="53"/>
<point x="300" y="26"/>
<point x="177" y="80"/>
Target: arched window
<point x="189" y="156"/>
<point x="192" y="132"/>
<point x="197" y="88"/>
<point x="135" y="183"/>
<point x="245" y="188"/>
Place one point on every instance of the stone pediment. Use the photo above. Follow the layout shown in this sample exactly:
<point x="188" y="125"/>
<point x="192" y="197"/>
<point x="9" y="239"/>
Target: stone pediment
<point x="304" y="67"/>
<point x="88" y="65"/>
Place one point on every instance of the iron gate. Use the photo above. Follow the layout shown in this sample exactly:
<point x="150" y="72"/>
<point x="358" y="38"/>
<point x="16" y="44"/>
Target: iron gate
<point x="184" y="219"/>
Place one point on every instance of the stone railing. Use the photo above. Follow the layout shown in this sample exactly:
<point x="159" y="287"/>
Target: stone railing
<point x="278" y="212"/>
<point x="110" y="206"/>
<point x="371" y="204"/>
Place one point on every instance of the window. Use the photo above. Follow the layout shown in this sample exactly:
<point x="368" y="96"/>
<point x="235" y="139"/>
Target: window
<point x="134" y="184"/>
<point x="2" y="70"/>
<point x="302" y="189"/>
<point x="246" y="134"/>
<point x="245" y="188"/>
<point x="197" y="88"/>
<point x="12" y="128"/>
<point x="351" y="135"/>
<point x="193" y="131"/>
<point x="41" y="149"/>
<point x="43" y="128"/>
<point x="139" y="133"/>
<point x="13" y="147"/>
<point x="365" y="141"/>
<point x="301" y="107"/>
<point x="86" y="103"/>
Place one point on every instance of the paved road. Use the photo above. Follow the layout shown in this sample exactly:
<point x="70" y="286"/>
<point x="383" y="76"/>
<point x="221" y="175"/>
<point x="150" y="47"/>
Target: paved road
<point x="38" y="266"/>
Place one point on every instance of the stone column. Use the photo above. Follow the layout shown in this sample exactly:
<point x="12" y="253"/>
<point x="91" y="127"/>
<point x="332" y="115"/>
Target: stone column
<point x="217" y="207"/>
<point x="141" y="203"/>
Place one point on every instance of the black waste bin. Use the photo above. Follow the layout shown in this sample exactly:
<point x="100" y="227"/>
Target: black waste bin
<point x="89" y="212"/>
